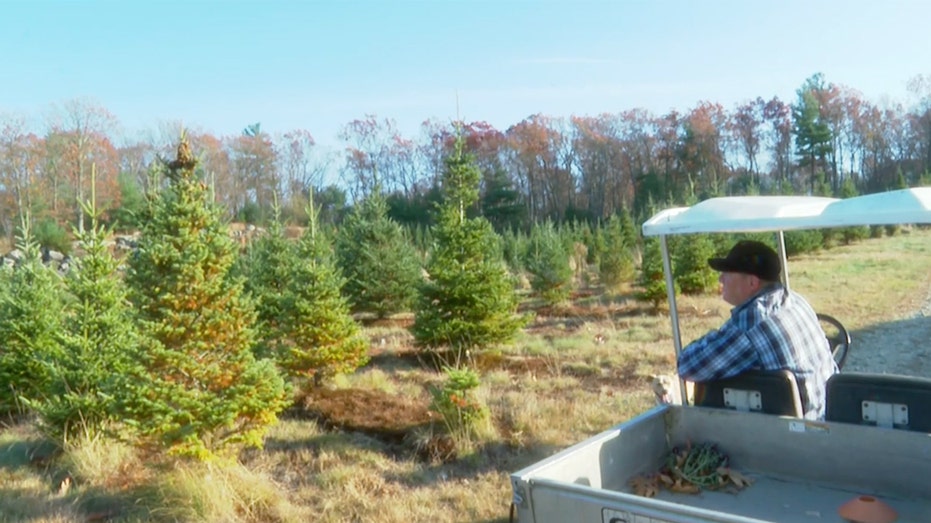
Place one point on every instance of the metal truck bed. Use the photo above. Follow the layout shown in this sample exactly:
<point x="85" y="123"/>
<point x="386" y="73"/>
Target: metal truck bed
<point x="802" y="471"/>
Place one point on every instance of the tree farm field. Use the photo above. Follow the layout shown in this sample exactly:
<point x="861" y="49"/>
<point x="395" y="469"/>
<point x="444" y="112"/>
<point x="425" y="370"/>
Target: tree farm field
<point x="366" y="447"/>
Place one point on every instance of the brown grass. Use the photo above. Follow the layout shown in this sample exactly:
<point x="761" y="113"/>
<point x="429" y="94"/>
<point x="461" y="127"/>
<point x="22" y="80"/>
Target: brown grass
<point x="367" y="448"/>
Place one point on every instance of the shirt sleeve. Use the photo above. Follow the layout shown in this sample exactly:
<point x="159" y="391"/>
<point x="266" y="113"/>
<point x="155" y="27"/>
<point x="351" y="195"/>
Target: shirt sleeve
<point x="719" y="354"/>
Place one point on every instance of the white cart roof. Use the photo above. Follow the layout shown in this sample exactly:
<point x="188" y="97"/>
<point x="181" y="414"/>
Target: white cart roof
<point x="785" y="213"/>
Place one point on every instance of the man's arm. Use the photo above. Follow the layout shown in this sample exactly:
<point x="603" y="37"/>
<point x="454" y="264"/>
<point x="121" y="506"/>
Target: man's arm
<point x="719" y="354"/>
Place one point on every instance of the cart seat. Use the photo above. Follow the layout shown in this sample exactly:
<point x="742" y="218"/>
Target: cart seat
<point x="882" y="400"/>
<point x="769" y="392"/>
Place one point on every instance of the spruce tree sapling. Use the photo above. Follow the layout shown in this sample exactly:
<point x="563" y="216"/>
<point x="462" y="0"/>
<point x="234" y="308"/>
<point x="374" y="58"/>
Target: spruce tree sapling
<point x="99" y="338"/>
<point x="616" y="262"/>
<point x="547" y="261"/>
<point x="381" y="266"/>
<point x="322" y="337"/>
<point x="692" y="271"/>
<point x="652" y="275"/>
<point x="268" y="266"/>
<point x="468" y="300"/>
<point x="32" y="312"/>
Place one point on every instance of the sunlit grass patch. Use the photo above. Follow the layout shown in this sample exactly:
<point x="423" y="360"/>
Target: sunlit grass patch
<point x="222" y="492"/>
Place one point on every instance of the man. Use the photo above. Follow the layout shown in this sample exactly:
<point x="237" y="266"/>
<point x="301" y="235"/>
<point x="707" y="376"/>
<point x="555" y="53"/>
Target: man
<point x="770" y="328"/>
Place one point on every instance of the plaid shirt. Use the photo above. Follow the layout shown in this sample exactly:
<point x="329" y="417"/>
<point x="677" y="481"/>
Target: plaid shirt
<point x="776" y="329"/>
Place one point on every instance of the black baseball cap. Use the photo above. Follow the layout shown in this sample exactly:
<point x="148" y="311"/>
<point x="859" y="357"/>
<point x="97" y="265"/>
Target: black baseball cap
<point x="750" y="257"/>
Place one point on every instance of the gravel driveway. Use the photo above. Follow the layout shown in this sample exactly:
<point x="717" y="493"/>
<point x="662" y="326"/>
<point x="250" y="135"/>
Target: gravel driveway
<point x="902" y="346"/>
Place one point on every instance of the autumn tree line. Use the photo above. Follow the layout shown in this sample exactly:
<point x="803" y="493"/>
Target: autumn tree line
<point x="541" y="169"/>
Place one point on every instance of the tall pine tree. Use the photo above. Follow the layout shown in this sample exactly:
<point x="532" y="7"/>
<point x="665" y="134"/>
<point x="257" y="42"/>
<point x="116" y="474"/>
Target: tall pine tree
<point x="468" y="300"/>
<point x="200" y="391"/>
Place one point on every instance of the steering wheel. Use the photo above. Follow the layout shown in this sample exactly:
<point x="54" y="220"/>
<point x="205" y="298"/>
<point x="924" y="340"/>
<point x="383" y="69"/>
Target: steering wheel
<point x="838" y="338"/>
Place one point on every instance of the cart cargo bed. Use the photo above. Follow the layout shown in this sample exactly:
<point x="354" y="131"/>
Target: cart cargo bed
<point x="802" y="470"/>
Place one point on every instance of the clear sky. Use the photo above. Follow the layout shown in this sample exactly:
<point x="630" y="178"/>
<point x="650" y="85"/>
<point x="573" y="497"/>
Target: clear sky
<point x="317" y="65"/>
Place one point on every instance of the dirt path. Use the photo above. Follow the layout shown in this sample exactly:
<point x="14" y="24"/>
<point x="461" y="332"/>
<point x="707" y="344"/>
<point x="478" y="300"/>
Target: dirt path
<point x="902" y="346"/>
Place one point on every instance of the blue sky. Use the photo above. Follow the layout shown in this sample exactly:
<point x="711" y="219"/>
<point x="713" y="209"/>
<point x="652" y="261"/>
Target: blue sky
<point x="317" y="65"/>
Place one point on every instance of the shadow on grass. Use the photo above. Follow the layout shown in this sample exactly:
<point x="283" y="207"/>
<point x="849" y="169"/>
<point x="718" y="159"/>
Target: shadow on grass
<point x="48" y="492"/>
<point x="21" y="453"/>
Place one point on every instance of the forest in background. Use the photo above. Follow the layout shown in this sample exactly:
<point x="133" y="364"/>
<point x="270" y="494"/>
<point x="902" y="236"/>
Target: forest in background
<point x="829" y="141"/>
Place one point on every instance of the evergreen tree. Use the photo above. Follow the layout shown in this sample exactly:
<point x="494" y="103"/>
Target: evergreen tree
<point x="547" y="261"/>
<point x="501" y="202"/>
<point x="199" y="391"/>
<point x="802" y="241"/>
<point x="813" y="139"/>
<point x="652" y="275"/>
<point x="32" y="312"/>
<point x="513" y="246"/>
<point x="99" y="338"/>
<point x="467" y="300"/>
<point x="616" y="263"/>
<point x="380" y="264"/>
<point x="267" y="267"/>
<point x="597" y="247"/>
<point x="132" y="203"/>
<point x="692" y="271"/>
<point x="323" y="338"/>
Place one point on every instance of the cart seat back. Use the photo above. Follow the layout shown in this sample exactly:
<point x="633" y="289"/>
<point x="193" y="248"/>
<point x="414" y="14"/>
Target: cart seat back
<point x="769" y="392"/>
<point x="882" y="400"/>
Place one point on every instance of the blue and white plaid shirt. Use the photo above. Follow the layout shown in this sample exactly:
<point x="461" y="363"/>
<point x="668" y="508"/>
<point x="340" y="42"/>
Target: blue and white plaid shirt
<point x="776" y="329"/>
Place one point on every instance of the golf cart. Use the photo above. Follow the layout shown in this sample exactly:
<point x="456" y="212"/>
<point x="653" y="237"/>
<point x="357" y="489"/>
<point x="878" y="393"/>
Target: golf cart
<point x="871" y="455"/>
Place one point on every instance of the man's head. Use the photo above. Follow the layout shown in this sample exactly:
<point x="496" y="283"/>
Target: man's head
<point x="748" y="267"/>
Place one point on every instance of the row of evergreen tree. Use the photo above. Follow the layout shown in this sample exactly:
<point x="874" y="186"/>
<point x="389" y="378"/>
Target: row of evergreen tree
<point x="194" y="349"/>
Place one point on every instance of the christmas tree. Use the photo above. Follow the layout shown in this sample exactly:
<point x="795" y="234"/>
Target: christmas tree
<point x="468" y="300"/>
<point x="200" y="391"/>
<point x="380" y="264"/>
<point x="323" y="339"/>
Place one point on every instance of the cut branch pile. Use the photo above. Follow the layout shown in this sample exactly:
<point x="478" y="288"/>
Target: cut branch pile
<point x="690" y="469"/>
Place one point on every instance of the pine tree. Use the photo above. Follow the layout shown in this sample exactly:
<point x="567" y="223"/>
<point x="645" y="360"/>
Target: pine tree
<point x="812" y="135"/>
<point x="467" y="301"/>
<point x="99" y="338"/>
<point x="324" y="340"/>
<point x="501" y="202"/>
<point x="381" y="266"/>
<point x="267" y="267"/>
<point x="547" y="261"/>
<point x="616" y="263"/>
<point x="691" y="269"/>
<point x="200" y="391"/>
<point x="652" y="275"/>
<point x="32" y="311"/>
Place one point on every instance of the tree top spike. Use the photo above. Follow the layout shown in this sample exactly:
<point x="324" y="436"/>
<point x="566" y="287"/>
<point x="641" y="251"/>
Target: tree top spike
<point x="185" y="159"/>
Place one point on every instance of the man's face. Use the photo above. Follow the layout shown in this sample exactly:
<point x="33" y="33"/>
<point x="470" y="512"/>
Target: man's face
<point x="737" y="287"/>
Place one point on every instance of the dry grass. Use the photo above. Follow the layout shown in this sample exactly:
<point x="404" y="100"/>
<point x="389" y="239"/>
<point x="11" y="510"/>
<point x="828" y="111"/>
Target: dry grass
<point x="575" y="372"/>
